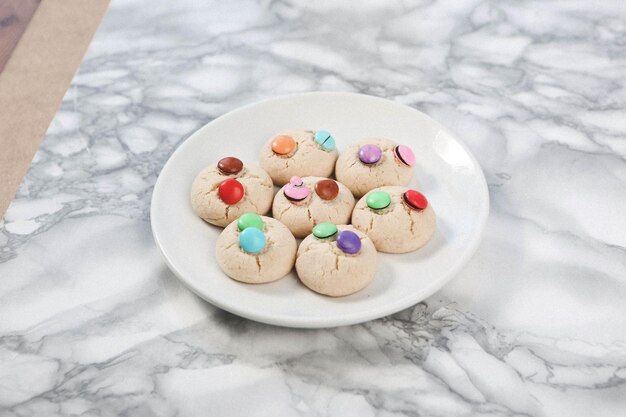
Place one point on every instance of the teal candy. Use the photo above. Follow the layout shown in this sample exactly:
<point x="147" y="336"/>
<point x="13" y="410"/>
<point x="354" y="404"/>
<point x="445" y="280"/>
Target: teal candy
<point x="252" y="240"/>
<point x="325" y="140"/>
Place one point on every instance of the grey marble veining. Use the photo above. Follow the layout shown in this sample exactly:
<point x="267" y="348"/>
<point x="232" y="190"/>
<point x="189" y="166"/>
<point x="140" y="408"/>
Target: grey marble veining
<point x="92" y="322"/>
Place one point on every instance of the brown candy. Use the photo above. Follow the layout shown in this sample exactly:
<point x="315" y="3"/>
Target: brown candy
<point x="327" y="189"/>
<point x="230" y="165"/>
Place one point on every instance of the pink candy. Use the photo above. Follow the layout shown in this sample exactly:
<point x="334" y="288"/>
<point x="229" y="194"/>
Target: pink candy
<point x="405" y="155"/>
<point x="296" y="190"/>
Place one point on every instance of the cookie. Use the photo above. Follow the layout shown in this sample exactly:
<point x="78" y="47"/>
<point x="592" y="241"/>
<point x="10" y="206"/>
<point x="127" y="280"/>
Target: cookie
<point x="224" y="191"/>
<point x="397" y="219"/>
<point x="303" y="203"/>
<point x="374" y="163"/>
<point x="299" y="152"/>
<point x="336" y="260"/>
<point x="256" y="249"/>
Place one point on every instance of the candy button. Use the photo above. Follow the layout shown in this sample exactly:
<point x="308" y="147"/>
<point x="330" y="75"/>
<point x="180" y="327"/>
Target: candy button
<point x="349" y="242"/>
<point x="325" y="140"/>
<point x="378" y="200"/>
<point x="370" y="154"/>
<point x="252" y="240"/>
<point x="230" y="191"/>
<point x="230" y="165"/>
<point x="324" y="230"/>
<point x="250" y="220"/>
<point x="415" y="200"/>
<point x="326" y="189"/>
<point x="405" y="155"/>
<point x="296" y="190"/>
<point x="283" y="145"/>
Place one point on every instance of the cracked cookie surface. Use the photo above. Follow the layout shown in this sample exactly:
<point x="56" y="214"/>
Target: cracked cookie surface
<point x="206" y="203"/>
<point x="272" y="263"/>
<point x="396" y="228"/>
<point x="326" y="269"/>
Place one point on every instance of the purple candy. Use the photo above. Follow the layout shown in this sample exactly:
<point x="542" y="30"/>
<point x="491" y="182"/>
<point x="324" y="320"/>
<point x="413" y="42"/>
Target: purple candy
<point x="349" y="242"/>
<point x="370" y="154"/>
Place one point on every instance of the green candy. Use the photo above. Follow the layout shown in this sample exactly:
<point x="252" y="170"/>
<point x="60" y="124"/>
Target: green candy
<point x="324" y="230"/>
<point x="378" y="200"/>
<point x="250" y="220"/>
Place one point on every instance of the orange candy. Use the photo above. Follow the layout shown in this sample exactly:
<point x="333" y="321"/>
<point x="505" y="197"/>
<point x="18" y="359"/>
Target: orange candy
<point x="283" y="145"/>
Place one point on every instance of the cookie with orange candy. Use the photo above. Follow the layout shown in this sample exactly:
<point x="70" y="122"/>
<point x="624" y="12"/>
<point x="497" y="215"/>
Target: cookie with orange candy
<point x="299" y="152"/>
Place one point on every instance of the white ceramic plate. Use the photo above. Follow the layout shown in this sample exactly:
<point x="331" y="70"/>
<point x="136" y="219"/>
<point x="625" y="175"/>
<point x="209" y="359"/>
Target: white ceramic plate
<point x="446" y="173"/>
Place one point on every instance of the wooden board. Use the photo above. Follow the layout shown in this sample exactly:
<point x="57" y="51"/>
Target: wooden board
<point x="14" y="17"/>
<point x="36" y="76"/>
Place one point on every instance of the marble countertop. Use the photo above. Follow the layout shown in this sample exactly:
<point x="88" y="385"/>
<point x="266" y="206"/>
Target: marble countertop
<point x="93" y="323"/>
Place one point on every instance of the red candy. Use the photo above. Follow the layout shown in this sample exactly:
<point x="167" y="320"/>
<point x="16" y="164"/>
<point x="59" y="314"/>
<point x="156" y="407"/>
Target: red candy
<point x="230" y="191"/>
<point x="415" y="200"/>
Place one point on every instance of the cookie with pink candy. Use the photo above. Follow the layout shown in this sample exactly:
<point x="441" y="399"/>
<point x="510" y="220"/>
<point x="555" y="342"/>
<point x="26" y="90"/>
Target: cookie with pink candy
<point x="305" y="202"/>
<point x="374" y="163"/>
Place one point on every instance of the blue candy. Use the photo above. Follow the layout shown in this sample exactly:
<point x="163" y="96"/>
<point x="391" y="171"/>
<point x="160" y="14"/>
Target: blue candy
<point x="252" y="240"/>
<point x="325" y="140"/>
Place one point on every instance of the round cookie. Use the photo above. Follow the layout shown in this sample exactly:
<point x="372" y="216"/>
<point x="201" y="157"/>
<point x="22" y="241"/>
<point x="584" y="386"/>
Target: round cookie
<point x="397" y="219"/>
<point x="374" y="163"/>
<point x="272" y="251"/>
<point x="299" y="152"/>
<point x="332" y="265"/>
<point x="324" y="200"/>
<point x="222" y="192"/>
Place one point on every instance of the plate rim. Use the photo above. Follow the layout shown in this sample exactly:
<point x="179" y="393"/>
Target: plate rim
<point x="349" y="318"/>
